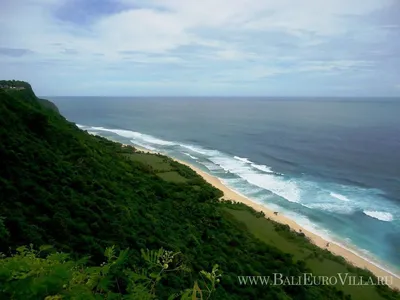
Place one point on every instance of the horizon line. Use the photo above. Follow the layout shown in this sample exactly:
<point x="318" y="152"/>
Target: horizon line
<point x="216" y="96"/>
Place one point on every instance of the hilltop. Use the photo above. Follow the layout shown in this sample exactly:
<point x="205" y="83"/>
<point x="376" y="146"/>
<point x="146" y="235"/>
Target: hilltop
<point x="23" y="90"/>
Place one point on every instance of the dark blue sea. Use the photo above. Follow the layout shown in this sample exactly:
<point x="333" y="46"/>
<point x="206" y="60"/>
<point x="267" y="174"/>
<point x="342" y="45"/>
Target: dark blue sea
<point x="332" y="165"/>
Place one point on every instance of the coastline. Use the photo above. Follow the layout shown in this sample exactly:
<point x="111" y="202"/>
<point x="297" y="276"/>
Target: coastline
<point x="349" y="255"/>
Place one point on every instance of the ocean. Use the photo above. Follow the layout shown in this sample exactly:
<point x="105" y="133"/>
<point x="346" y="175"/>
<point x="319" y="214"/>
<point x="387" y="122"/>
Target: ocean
<point x="330" y="164"/>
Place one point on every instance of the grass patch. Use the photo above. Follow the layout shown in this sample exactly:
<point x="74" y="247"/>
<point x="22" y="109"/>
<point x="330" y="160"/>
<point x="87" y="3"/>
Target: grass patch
<point x="321" y="262"/>
<point x="166" y="168"/>
<point x="172" y="176"/>
<point x="157" y="162"/>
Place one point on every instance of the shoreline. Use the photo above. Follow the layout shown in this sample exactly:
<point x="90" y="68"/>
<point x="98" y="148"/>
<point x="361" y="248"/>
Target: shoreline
<point x="349" y="255"/>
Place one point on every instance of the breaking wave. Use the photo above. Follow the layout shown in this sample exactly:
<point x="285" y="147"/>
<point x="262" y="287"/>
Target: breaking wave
<point x="340" y="197"/>
<point x="380" y="215"/>
<point x="245" y="160"/>
<point x="191" y="156"/>
<point x="263" y="168"/>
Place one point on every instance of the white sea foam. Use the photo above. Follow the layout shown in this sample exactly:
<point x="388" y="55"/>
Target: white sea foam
<point x="143" y="145"/>
<point x="153" y="140"/>
<point x="191" y="156"/>
<point x="243" y="159"/>
<point x="287" y="189"/>
<point x="233" y="185"/>
<point x="311" y="194"/>
<point x="380" y="215"/>
<point x="262" y="168"/>
<point x="136" y="136"/>
<point x="241" y="185"/>
<point x="80" y="126"/>
<point x="233" y="182"/>
<point x="253" y="191"/>
<point x="211" y="166"/>
<point x="230" y="164"/>
<point x="194" y="149"/>
<point x="200" y="150"/>
<point x="331" y="207"/>
<point x="348" y="240"/>
<point x="307" y="224"/>
<point x="238" y="185"/>
<point x="340" y="197"/>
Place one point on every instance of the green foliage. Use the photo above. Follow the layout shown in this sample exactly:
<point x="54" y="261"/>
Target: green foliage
<point x="28" y="274"/>
<point x="3" y="230"/>
<point x="15" y="84"/>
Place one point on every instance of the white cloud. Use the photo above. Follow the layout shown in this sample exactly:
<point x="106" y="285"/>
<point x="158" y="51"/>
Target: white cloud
<point x="320" y="17"/>
<point x="293" y="16"/>
<point x="339" y="65"/>
<point x="241" y="39"/>
<point x="158" y="30"/>
<point x="141" y="30"/>
<point x="234" y="55"/>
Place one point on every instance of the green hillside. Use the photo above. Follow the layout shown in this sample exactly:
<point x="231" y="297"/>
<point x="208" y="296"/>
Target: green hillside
<point x="83" y="194"/>
<point x="24" y="91"/>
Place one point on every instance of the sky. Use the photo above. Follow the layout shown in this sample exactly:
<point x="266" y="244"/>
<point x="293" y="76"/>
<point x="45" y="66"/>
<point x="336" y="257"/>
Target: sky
<point x="203" y="47"/>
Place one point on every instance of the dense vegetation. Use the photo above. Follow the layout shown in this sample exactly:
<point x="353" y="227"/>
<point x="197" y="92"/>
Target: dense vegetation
<point x="26" y="93"/>
<point x="32" y="274"/>
<point x="83" y="194"/>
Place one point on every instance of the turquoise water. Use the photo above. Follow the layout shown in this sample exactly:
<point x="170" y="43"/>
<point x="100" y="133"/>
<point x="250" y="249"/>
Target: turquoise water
<point x="332" y="165"/>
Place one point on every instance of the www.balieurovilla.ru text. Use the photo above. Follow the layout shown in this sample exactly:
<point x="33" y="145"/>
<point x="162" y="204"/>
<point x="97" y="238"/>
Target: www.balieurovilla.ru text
<point x="310" y="279"/>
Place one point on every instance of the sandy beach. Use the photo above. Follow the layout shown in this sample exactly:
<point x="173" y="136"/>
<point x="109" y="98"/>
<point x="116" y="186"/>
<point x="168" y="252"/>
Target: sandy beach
<point x="348" y="254"/>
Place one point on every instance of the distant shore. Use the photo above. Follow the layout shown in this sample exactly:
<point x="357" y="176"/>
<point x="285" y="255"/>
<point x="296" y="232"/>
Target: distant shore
<point x="352" y="257"/>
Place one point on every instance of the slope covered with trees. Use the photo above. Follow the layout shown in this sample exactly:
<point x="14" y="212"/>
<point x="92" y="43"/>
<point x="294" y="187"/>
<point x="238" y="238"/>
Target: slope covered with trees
<point x="82" y="194"/>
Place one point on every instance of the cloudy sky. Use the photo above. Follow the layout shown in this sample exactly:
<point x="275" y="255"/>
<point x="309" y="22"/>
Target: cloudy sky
<point x="203" y="47"/>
